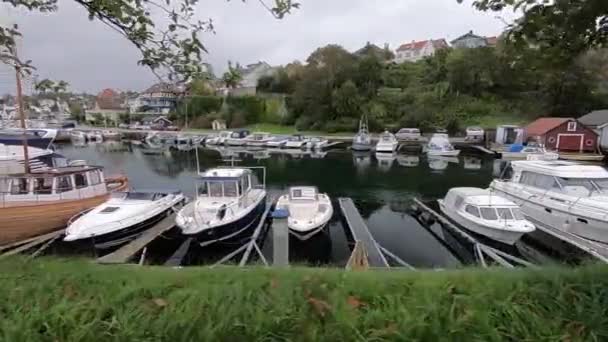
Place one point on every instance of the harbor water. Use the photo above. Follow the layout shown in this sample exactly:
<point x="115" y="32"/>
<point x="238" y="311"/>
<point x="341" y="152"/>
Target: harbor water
<point x="382" y="187"/>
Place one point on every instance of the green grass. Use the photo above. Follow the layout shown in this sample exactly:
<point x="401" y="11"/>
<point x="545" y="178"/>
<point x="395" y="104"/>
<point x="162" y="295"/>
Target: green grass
<point x="60" y="300"/>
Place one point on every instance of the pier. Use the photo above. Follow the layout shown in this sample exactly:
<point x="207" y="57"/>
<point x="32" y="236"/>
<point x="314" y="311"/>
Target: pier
<point x="124" y="253"/>
<point x="361" y="234"/>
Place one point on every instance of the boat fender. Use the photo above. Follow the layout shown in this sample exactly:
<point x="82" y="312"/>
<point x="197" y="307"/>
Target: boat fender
<point x="221" y="212"/>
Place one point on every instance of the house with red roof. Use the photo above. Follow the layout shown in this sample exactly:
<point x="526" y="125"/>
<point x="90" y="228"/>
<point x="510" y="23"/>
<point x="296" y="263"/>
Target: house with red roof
<point x="562" y="134"/>
<point x="416" y="50"/>
<point x="108" y="105"/>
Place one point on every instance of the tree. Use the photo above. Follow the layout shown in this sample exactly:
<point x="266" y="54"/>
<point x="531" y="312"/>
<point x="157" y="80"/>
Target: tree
<point x="346" y="100"/>
<point x="171" y="45"/>
<point x="232" y="78"/>
<point x="563" y="28"/>
<point x="369" y="76"/>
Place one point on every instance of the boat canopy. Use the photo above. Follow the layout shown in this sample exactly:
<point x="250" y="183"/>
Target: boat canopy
<point x="303" y="193"/>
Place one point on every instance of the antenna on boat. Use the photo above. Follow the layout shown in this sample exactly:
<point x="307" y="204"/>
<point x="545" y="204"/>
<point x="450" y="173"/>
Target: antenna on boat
<point x="11" y="58"/>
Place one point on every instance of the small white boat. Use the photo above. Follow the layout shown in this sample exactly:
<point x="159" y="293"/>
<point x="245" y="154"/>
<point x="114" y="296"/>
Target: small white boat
<point x="238" y="138"/>
<point x="387" y="143"/>
<point x="362" y="141"/>
<point x="296" y="141"/>
<point x="95" y="136"/>
<point x="277" y="142"/>
<point x="530" y="152"/>
<point x="122" y="218"/>
<point x="317" y="143"/>
<point x="440" y="145"/>
<point x="309" y="211"/>
<point x="258" y="139"/>
<point x="183" y="139"/>
<point x="110" y="134"/>
<point x="486" y="213"/>
<point x="78" y="135"/>
<point x="198" y="140"/>
<point x="219" y="139"/>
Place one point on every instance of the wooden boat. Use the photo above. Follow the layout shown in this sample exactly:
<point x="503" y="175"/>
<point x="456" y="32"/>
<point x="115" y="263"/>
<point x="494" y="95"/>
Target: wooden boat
<point x="41" y="202"/>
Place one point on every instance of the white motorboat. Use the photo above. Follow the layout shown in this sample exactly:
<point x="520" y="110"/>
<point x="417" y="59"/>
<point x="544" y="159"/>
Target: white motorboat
<point x="440" y="145"/>
<point x="309" y="211"/>
<point x="486" y="213"/>
<point x="277" y="141"/>
<point x="95" y="137"/>
<point x="258" y="139"/>
<point x="183" y="139"/>
<point x="387" y="143"/>
<point x="123" y="217"/>
<point x="362" y="141"/>
<point x="228" y="203"/>
<point x="219" y="139"/>
<point x="78" y="135"/>
<point x="197" y="140"/>
<point x="110" y="134"/>
<point x="565" y="195"/>
<point x="12" y="159"/>
<point x="238" y="138"/>
<point x="317" y="143"/>
<point x="530" y="152"/>
<point x="296" y="141"/>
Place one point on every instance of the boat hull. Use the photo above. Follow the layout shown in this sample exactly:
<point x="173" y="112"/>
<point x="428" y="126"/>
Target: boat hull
<point x="232" y="231"/>
<point x="453" y="153"/>
<point x="17" y="140"/>
<point x="361" y="147"/>
<point x="593" y="229"/>
<point x="121" y="236"/>
<point x="305" y="235"/>
<point x="508" y="237"/>
<point x="23" y="222"/>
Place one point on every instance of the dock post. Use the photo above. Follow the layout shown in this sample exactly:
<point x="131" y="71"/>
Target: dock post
<point x="280" y="238"/>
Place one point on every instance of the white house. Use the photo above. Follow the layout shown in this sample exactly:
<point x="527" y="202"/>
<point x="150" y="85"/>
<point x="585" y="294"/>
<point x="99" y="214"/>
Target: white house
<point x="416" y="50"/>
<point x="251" y="74"/>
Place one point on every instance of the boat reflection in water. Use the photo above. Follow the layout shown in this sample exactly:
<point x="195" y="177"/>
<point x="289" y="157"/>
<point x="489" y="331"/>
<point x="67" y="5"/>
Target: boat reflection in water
<point x="361" y="160"/>
<point x="408" y="160"/>
<point x="385" y="160"/>
<point x="440" y="163"/>
<point x="472" y="163"/>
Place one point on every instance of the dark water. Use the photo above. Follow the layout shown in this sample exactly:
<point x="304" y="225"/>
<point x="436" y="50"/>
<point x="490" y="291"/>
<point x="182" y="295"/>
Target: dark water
<point x="381" y="187"/>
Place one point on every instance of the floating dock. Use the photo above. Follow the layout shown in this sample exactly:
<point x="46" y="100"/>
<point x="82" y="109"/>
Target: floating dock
<point x="280" y="238"/>
<point x="175" y="260"/>
<point x="361" y="233"/>
<point x="24" y="245"/>
<point x="124" y="253"/>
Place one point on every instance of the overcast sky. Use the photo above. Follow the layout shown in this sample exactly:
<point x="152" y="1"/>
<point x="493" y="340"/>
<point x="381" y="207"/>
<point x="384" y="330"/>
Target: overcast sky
<point x="67" y="46"/>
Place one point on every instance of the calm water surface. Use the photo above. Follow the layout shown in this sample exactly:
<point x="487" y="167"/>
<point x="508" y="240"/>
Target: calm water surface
<point x="381" y="186"/>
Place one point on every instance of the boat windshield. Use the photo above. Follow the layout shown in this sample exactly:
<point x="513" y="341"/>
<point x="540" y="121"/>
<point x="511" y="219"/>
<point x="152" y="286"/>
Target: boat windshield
<point x="493" y="213"/>
<point x="583" y="186"/>
<point x="387" y="137"/>
<point x="220" y="188"/>
<point x="140" y="196"/>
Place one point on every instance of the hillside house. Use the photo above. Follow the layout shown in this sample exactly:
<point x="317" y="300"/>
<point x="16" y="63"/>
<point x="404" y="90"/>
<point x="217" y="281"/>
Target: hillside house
<point x="160" y="98"/>
<point x="416" y="50"/>
<point x="470" y="41"/>
<point x="108" y="104"/>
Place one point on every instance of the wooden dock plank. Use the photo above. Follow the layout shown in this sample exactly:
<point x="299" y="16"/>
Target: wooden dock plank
<point x="124" y="253"/>
<point x="177" y="257"/>
<point x="361" y="233"/>
<point x="33" y="242"/>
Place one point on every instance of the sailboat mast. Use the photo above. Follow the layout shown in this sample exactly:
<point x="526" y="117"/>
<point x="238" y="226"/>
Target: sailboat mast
<point x="26" y="159"/>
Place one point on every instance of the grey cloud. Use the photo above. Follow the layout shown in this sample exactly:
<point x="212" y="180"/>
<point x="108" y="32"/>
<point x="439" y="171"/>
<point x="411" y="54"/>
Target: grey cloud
<point x="90" y="56"/>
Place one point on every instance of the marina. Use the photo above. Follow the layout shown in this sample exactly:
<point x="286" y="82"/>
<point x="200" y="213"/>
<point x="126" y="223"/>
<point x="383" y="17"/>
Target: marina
<point x="377" y="223"/>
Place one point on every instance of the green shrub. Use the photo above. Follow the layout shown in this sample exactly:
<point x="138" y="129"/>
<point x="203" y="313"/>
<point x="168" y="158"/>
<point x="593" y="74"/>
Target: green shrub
<point x="251" y="107"/>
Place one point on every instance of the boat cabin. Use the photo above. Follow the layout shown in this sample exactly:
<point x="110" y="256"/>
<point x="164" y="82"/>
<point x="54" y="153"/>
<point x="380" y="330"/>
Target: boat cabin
<point x="482" y="204"/>
<point x="561" y="176"/>
<point x="440" y="142"/>
<point x="259" y="136"/>
<point x="475" y="134"/>
<point x="240" y="134"/>
<point x="296" y="137"/>
<point x="225" y="134"/>
<point x="69" y="183"/>
<point x="387" y="137"/>
<point x="220" y="183"/>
